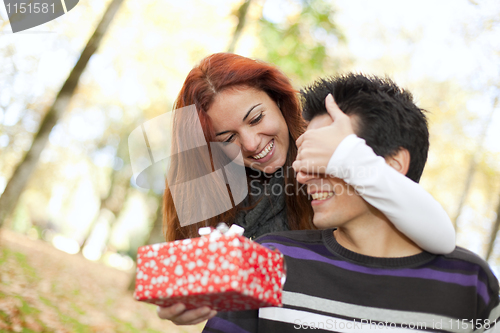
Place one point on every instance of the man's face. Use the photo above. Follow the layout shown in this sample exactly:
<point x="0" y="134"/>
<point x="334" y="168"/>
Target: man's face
<point x="335" y="203"/>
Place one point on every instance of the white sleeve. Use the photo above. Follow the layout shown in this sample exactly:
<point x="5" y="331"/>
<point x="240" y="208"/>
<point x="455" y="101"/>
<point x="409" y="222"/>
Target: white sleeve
<point x="406" y="204"/>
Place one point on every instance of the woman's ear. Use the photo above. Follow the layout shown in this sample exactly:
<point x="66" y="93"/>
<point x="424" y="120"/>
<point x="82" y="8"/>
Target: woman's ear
<point x="400" y="161"/>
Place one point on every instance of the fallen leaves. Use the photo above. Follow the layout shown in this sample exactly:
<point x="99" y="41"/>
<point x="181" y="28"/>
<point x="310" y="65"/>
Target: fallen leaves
<point x="45" y="290"/>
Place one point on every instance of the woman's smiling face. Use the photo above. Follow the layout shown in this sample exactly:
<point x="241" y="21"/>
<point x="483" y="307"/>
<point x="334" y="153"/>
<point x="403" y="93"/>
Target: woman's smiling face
<point x="250" y="119"/>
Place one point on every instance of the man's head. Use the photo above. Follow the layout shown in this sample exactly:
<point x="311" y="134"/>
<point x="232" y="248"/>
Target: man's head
<point x="391" y="124"/>
<point x="384" y="115"/>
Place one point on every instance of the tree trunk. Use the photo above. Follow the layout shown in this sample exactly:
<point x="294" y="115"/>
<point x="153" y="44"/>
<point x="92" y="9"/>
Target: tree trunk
<point x="156" y="235"/>
<point x="494" y="231"/>
<point x="465" y="192"/>
<point x="242" y="14"/>
<point x="21" y="175"/>
<point x="115" y="208"/>
<point x="120" y="183"/>
<point x="473" y="164"/>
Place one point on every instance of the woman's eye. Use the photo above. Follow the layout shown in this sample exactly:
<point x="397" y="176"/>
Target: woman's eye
<point x="230" y="139"/>
<point x="257" y="119"/>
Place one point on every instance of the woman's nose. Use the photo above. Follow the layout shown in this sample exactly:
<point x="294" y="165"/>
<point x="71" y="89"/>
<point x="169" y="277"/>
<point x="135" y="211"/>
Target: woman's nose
<point x="249" y="141"/>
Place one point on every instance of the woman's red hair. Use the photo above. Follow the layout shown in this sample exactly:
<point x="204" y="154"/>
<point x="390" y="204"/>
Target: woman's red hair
<point x="212" y="76"/>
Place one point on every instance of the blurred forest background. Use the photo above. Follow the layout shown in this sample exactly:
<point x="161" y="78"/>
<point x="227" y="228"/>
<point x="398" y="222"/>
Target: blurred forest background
<point x="71" y="218"/>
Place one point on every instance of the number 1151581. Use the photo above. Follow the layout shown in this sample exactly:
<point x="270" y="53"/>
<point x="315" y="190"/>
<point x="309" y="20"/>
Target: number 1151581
<point x="30" y="7"/>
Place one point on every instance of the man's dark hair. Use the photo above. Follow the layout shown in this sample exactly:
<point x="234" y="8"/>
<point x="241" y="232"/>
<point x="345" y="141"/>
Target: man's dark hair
<point x="386" y="116"/>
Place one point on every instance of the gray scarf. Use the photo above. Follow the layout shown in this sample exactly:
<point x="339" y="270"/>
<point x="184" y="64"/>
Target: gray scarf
<point x="269" y="214"/>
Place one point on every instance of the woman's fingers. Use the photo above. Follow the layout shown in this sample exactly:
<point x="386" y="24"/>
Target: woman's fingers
<point x="317" y="145"/>
<point x="178" y="314"/>
<point x="332" y="108"/>
<point x="171" y="311"/>
<point x="195" y="316"/>
<point x="299" y="141"/>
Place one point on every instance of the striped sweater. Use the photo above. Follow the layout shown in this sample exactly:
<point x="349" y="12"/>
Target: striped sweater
<point x="332" y="289"/>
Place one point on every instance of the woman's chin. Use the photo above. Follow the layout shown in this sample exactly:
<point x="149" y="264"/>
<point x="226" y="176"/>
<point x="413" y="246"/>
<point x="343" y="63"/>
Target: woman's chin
<point x="268" y="168"/>
<point x="271" y="169"/>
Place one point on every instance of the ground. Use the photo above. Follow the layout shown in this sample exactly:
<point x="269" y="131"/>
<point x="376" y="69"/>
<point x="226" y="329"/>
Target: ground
<point x="45" y="290"/>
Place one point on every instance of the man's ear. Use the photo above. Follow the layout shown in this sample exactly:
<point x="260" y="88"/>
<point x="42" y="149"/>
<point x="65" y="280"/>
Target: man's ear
<point x="400" y="161"/>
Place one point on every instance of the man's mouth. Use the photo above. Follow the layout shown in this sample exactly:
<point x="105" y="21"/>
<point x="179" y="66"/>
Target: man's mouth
<point x="322" y="195"/>
<point x="264" y="151"/>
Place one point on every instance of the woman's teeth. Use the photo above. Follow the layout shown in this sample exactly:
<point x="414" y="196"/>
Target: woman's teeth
<point x="265" y="151"/>
<point x="322" y="195"/>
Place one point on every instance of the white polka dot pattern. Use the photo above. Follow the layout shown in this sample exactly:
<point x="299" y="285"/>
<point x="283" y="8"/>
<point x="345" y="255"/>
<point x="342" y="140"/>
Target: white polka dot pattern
<point x="227" y="273"/>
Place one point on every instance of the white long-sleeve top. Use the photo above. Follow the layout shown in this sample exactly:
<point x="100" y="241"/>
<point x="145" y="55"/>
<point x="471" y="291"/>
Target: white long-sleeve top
<point x="411" y="209"/>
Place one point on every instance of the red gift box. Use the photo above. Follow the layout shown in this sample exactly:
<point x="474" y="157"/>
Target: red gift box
<point x="227" y="273"/>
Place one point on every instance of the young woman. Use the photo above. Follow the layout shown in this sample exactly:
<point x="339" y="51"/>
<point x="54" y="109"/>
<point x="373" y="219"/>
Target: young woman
<point x="224" y="87"/>
<point x="253" y="105"/>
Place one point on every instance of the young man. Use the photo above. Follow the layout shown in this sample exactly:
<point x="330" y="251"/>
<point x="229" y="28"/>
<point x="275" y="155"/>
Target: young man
<point x="359" y="273"/>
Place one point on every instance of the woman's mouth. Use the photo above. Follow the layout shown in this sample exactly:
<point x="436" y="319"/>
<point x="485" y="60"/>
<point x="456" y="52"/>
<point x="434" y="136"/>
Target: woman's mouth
<point x="265" y="152"/>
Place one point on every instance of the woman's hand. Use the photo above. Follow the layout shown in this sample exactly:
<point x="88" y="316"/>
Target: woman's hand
<point x="178" y="314"/>
<point x="317" y="145"/>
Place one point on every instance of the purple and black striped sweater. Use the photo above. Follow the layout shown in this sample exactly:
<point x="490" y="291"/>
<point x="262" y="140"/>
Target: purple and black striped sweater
<point x="332" y="289"/>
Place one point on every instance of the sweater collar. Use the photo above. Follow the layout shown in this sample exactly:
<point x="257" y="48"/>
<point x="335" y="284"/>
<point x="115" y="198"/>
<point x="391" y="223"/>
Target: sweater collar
<point x="399" y="262"/>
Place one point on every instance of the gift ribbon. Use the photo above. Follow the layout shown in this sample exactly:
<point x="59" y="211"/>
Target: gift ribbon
<point x="234" y="230"/>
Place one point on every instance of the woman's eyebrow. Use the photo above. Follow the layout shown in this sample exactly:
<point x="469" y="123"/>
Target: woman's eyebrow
<point x="244" y="118"/>
<point x="253" y="107"/>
